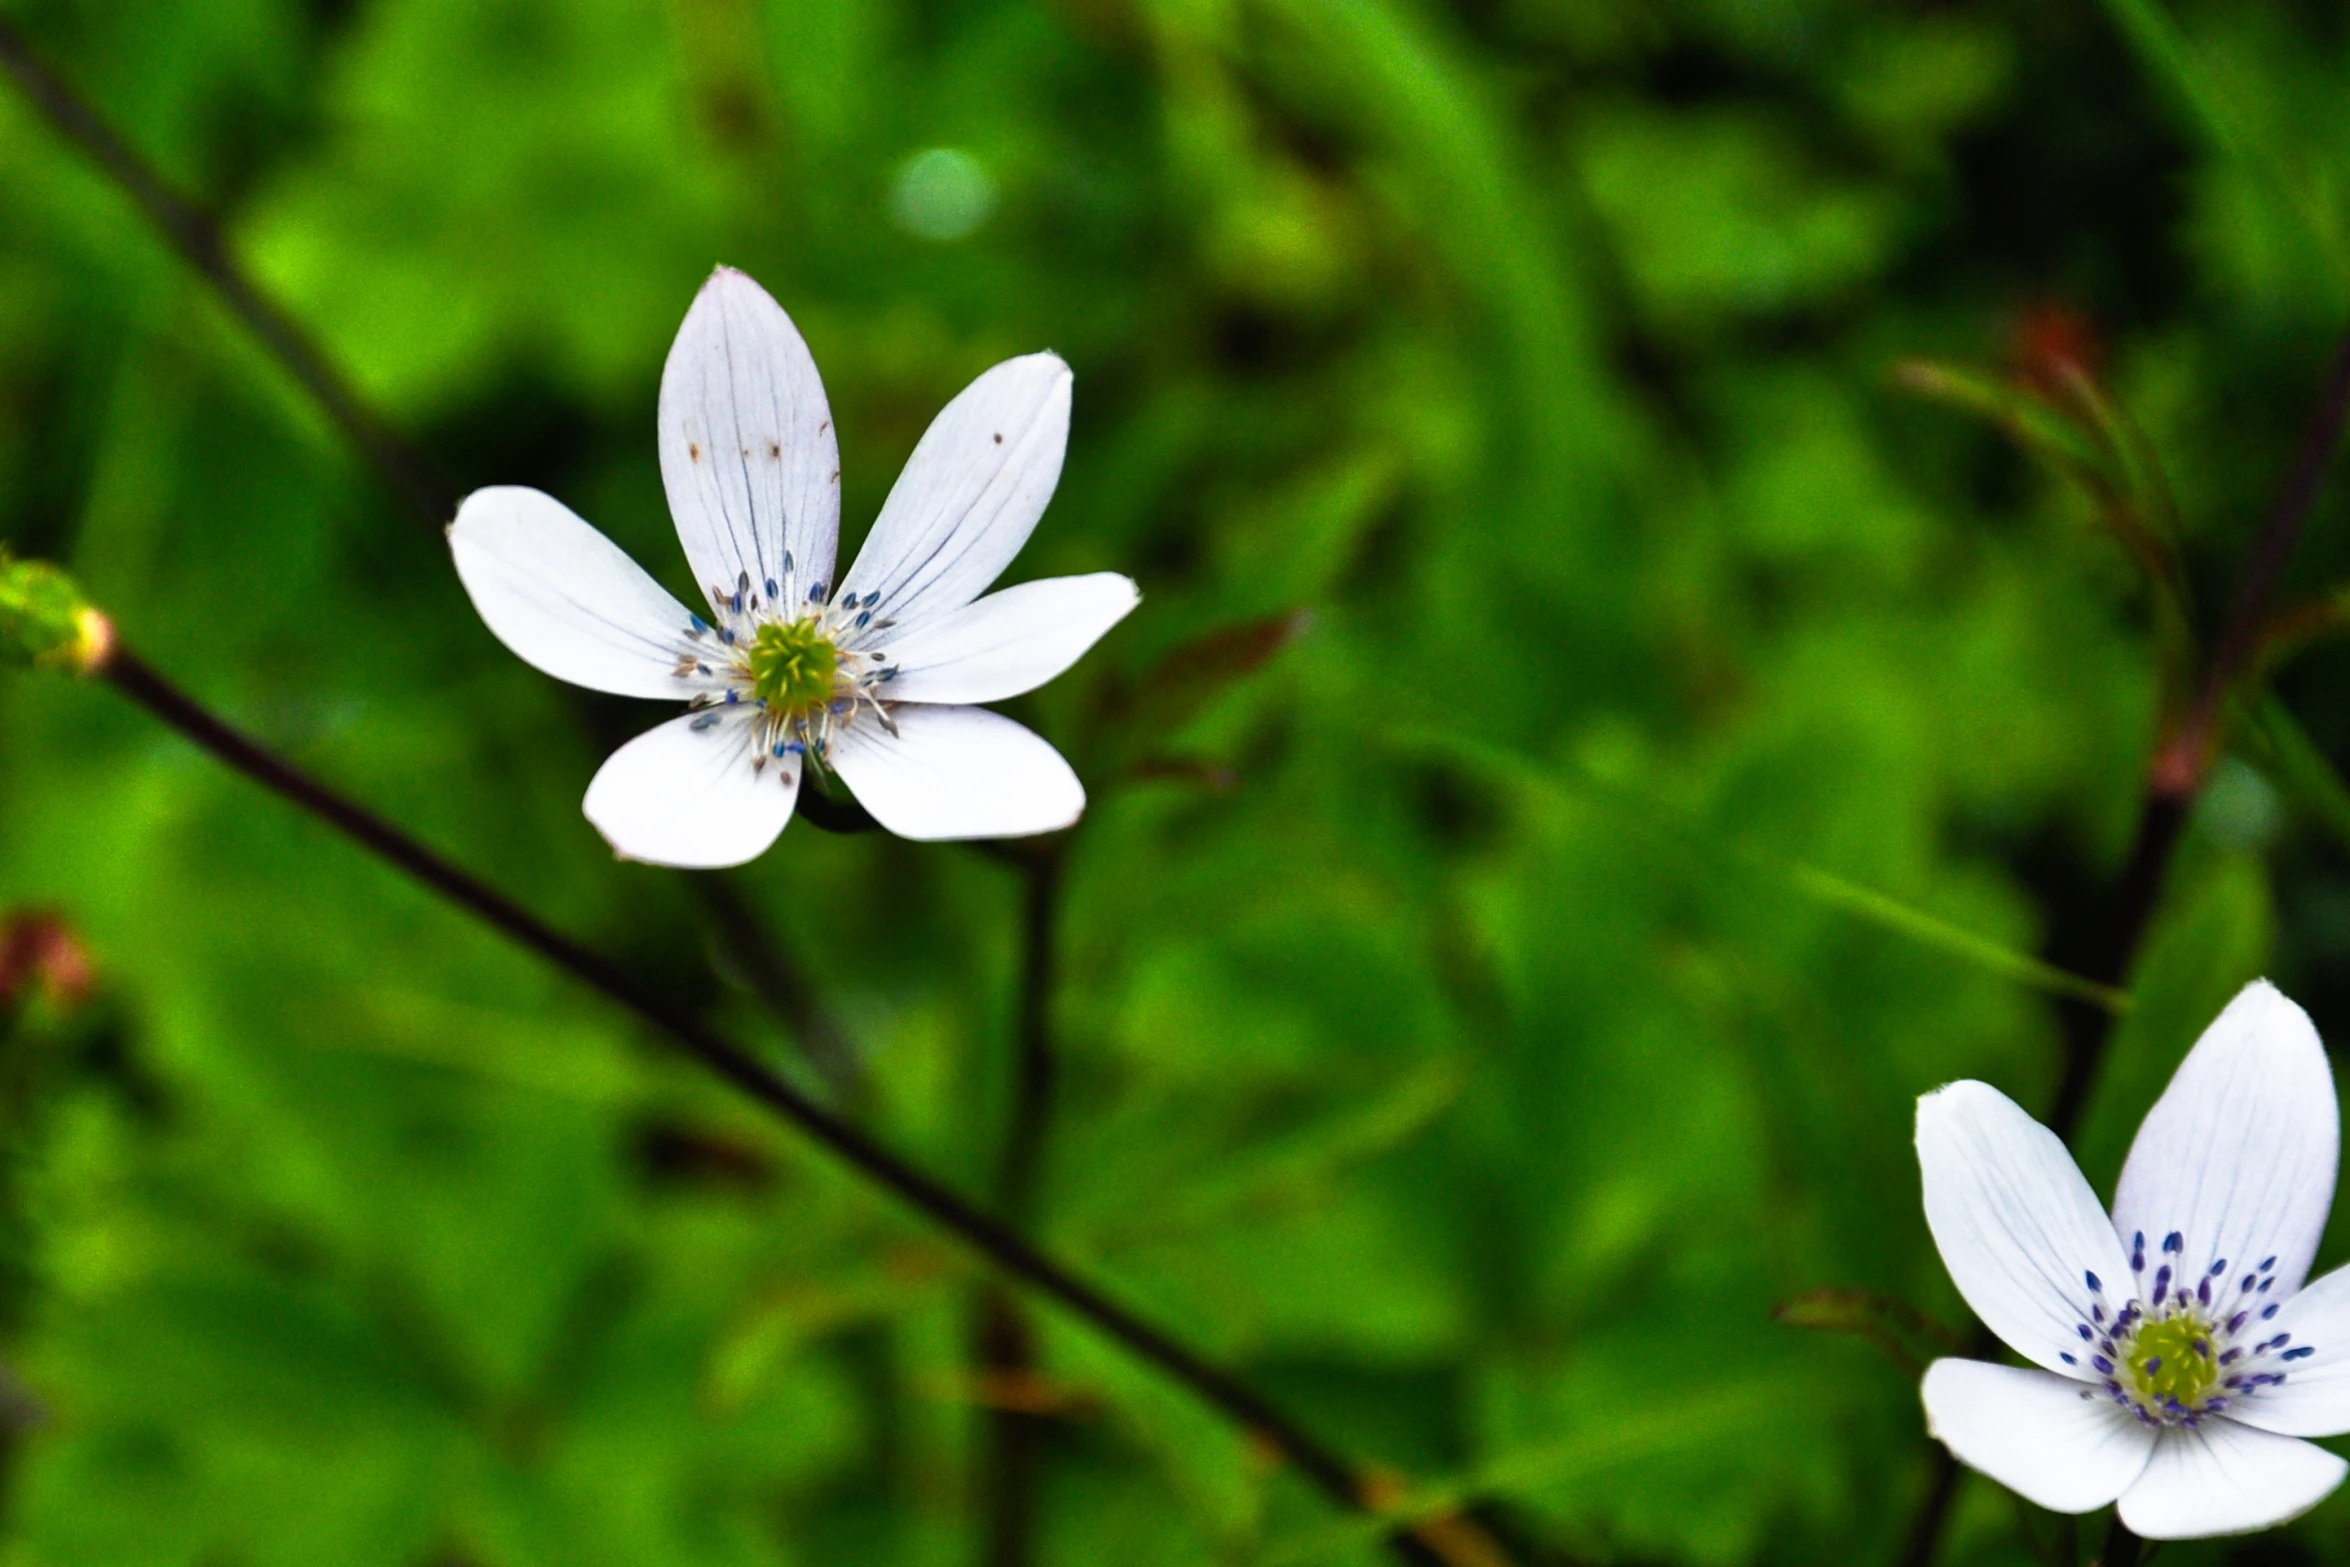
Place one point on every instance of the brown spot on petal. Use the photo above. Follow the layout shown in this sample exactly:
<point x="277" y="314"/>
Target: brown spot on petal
<point x="774" y="451"/>
<point x="693" y="449"/>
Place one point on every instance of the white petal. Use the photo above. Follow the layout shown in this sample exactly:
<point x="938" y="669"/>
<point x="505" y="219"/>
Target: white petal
<point x="2224" y="1478"/>
<point x="2314" y="1399"/>
<point x="2047" y="1438"/>
<point x="1008" y="642"/>
<point x="566" y="599"/>
<point x="691" y="797"/>
<point x="2018" y="1227"/>
<point x="971" y="493"/>
<point x="957" y="772"/>
<point x="2238" y="1154"/>
<point x="748" y="453"/>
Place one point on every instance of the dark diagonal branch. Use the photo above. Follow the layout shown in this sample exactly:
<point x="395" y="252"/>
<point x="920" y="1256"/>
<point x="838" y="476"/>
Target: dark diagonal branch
<point x="1005" y="1248"/>
<point x="191" y="231"/>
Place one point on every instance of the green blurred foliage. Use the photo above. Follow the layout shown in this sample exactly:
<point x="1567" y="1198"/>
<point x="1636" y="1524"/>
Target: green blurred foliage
<point x="1446" y="1043"/>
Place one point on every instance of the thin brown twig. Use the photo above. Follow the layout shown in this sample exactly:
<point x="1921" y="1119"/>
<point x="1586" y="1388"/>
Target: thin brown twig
<point x="2184" y="762"/>
<point x="1004" y="1247"/>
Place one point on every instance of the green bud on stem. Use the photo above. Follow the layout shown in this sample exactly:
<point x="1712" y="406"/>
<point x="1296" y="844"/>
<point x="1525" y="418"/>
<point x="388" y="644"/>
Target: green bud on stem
<point x="45" y="620"/>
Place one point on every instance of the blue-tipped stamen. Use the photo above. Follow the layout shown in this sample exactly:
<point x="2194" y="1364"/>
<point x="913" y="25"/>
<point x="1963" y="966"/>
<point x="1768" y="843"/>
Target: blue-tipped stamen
<point x="2170" y="1356"/>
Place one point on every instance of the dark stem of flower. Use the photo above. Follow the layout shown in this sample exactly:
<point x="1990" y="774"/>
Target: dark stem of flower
<point x="993" y="1239"/>
<point x="2087" y="1030"/>
<point x="2182" y="761"/>
<point x="748" y="945"/>
<point x="1039" y="1065"/>
<point x="2121" y="1548"/>
<point x="839" y="812"/>
<point x="197" y="237"/>
<point x="2194" y="745"/>
<point x="1010" y="1471"/>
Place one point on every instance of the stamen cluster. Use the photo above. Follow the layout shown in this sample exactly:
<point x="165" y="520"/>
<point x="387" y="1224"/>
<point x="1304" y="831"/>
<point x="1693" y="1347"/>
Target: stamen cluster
<point x="2180" y="1351"/>
<point x="797" y="658"/>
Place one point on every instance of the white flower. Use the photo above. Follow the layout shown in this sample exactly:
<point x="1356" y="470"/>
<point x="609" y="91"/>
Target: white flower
<point x="2181" y="1358"/>
<point x="870" y="677"/>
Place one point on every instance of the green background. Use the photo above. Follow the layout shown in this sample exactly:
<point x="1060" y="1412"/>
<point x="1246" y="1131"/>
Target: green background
<point x="1458" y="1035"/>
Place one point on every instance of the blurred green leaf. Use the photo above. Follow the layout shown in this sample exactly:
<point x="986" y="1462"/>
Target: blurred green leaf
<point x="1627" y="803"/>
<point x="1766" y="747"/>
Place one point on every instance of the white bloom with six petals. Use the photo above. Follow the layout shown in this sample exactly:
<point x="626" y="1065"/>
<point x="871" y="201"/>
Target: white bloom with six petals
<point x="2181" y="1360"/>
<point x="874" y="676"/>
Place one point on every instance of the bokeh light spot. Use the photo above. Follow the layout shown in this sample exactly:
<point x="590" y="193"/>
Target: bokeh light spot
<point x="942" y="194"/>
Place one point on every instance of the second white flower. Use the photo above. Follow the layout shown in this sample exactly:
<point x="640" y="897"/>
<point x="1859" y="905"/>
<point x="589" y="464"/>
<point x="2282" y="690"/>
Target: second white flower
<point x="2180" y="1359"/>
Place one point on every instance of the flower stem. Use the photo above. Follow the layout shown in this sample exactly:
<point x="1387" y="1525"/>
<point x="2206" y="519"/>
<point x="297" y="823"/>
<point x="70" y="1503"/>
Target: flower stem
<point x="1003" y="1246"/>
<point x="748" y="942"/>
<point x="1011" y="1464"/>
<point x="1039" y="1064"/>
<point x="2087" y="1030"/>
<point x="2121" y="1547"/>
<point x="2193" y="745"/>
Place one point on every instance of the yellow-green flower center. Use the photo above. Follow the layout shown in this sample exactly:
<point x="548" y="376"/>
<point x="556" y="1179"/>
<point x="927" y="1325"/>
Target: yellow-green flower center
<point x="2173" y="1359"/>
<point x="792" y="665"/>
